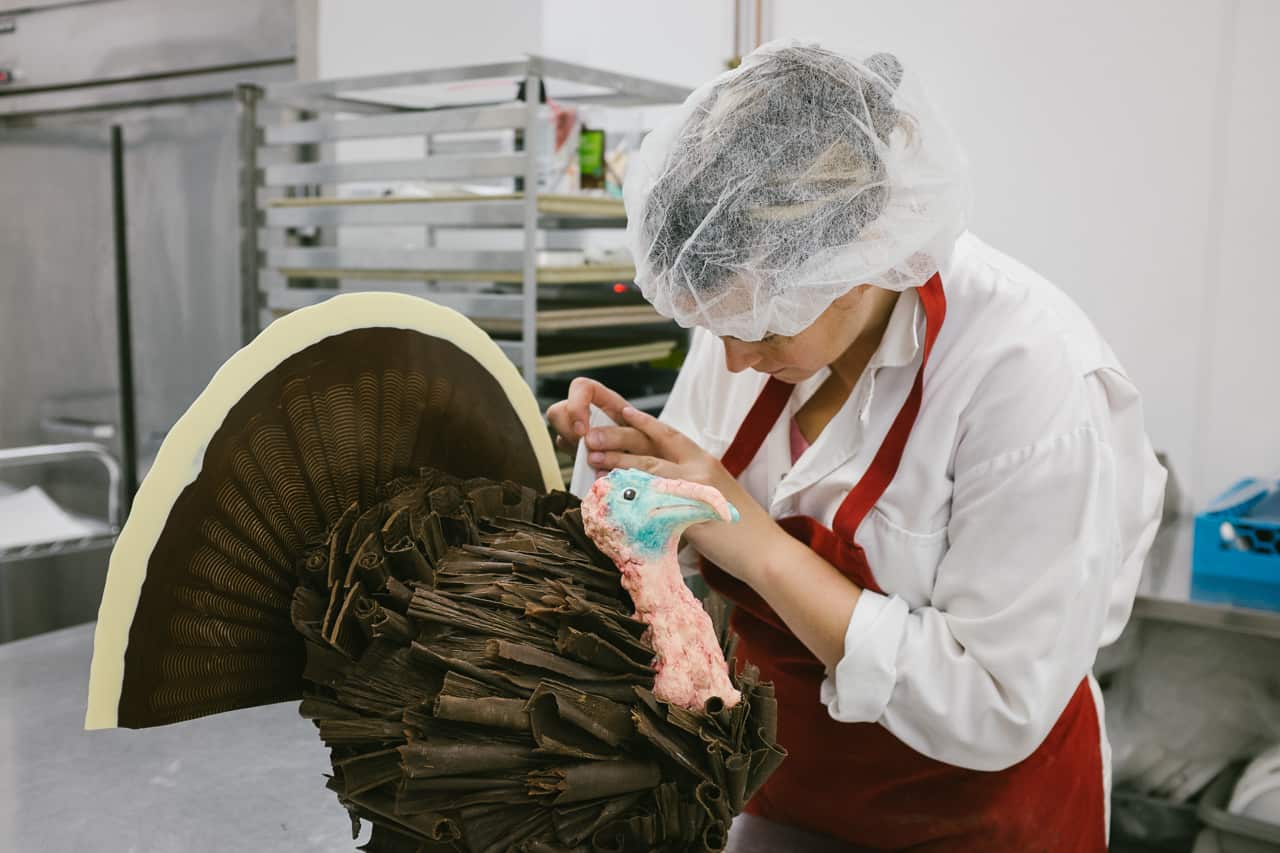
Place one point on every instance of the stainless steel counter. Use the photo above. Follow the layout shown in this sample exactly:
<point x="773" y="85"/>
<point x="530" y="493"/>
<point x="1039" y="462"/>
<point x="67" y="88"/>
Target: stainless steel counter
<point x="250" y="780"/>
<point x="1165" y="592"/>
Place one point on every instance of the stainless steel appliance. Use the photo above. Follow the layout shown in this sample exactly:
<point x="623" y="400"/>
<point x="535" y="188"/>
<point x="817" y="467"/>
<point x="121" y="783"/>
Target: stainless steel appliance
<point x="119" y="278"/>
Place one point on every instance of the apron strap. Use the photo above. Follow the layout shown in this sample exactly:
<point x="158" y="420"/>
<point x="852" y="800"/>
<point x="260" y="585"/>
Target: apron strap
<point x="760" y="419"/>
<point x="884" y="466"/>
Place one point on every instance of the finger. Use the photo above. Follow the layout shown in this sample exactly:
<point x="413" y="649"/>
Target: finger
<point x="619" y="438"/>
<point x="558" y="417"/>
<point x="608" y="460"/>
<point x="583" y="392"/>
<point x="667" y="441"/>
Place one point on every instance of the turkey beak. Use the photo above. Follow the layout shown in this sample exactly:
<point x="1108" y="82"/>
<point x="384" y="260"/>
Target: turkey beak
<point x="690" y="503"/>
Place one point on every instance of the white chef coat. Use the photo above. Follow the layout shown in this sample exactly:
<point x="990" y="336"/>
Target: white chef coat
<point x="1011" y="540"/>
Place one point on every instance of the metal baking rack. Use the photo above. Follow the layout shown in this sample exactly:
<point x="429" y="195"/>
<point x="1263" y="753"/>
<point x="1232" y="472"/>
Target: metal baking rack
<point x="94" y="532"/>
<point x="441" y="155"/>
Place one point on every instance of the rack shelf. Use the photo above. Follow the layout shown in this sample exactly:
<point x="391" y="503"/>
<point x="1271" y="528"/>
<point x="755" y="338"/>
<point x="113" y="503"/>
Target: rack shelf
<point x="567" y="319"/>
<point x="467" y="207"/>
<point x="578" y="274"/>
<point x="477" y="207"/>
<point x="588" y="359"/>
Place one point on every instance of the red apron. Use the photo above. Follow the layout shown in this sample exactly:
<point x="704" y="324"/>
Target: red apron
<point x="856" y="781"/>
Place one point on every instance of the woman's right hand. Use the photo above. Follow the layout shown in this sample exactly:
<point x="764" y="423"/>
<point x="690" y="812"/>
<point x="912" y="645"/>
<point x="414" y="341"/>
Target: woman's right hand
<point x="571" y="417"/>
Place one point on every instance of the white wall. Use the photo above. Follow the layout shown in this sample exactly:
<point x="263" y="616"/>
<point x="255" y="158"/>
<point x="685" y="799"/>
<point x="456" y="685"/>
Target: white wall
<point x="676" y="41"/>
<point x="1097" y="133"/>
<point x="670" y="40"/>
<point x="375" y="36"/>
<point x="1239" y="398"/>
<point x="379" y="36"/>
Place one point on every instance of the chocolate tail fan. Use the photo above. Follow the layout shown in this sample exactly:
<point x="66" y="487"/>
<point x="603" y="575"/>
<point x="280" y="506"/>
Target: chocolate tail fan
<point x="309" y="420"/>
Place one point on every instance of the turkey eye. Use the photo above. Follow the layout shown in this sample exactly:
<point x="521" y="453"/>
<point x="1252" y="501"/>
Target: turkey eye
<point x="629" y="495"/>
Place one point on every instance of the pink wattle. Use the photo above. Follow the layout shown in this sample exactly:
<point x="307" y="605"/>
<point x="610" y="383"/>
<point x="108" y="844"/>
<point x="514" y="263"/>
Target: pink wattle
<point x="690" y="664"/>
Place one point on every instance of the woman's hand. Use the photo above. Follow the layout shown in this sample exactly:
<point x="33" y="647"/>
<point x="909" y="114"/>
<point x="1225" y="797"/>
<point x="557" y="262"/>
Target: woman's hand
<point x="743" y="549"/>
<point x="571" y="416"/>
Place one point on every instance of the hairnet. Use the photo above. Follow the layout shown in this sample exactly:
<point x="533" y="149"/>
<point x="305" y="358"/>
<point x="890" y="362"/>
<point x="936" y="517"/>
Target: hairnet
<point x="781" y="185"/>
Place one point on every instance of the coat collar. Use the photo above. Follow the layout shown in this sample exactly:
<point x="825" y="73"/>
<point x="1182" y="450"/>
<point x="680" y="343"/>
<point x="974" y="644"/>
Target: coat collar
<point x="844" y="436"/>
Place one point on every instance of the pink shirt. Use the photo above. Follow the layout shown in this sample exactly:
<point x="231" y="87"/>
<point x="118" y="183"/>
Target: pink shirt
<point x="798" y="443"/>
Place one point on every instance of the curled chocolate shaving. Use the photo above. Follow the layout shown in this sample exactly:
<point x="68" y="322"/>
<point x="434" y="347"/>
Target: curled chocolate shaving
<point x="594" y="780"/>
<point x="338" y="541"/>
<point x="389" y="625"/>
<point x="426" y="759"/>
<point x="576" y="823"/>
<point x="736" y="773"/>
<point x="598" y="652"/>
<point x="367" y="771"/>
<point x="711" y="797"/>
<point x="408" y="562"/>
<point x="603" y="719"/>
<point x="491" y="712"/>
<point x="715" y="837"/>
<point x="397" y="595"/>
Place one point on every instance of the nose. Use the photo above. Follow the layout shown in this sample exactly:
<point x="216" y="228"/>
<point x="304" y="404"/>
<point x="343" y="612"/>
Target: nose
<point x="739" y="355"/>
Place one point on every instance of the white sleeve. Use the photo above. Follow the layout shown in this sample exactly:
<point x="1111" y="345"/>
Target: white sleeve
<point x="1140" y="489"/>
<point x="1036" y="556"/>
<point x="686" y="409"/>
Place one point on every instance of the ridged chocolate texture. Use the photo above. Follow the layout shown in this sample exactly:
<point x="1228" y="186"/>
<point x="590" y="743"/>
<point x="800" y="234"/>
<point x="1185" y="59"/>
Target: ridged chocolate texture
<point x="321" y="432"/>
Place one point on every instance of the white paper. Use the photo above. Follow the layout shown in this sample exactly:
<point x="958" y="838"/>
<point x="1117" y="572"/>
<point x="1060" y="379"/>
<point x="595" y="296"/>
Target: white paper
<point x="583" y="474"/>
<point x="30" y="516"/>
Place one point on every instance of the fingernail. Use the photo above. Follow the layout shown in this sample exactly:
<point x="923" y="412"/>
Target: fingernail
<point x="593" y="438"/>
<point x="579" y="428"/>
<point x="595" y="458"/>
<point x="630" y="410"/>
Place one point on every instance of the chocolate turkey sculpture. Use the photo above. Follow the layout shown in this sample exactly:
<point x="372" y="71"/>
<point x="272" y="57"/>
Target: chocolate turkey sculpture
<point x="363" y="511"/>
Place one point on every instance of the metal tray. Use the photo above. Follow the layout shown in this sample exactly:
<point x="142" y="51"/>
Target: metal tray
<point x="495" y="313"/>
<point x="604" y="357"/>
<point x="468" y="209"/>
<point x="104" y="531"/>
<point x="424" y="265"/>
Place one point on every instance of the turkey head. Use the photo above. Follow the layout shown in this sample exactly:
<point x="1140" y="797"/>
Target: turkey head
<point x="636" y="519"/>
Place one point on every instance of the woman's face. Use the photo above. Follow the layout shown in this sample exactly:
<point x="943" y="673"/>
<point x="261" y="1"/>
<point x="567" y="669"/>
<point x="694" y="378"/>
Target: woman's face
<point x="796" y="358"/>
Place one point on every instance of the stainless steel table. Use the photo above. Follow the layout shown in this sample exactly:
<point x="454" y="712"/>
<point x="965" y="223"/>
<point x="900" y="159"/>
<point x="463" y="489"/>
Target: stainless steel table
<point x="250" y="780"/>
<point x="1165" y="592"/>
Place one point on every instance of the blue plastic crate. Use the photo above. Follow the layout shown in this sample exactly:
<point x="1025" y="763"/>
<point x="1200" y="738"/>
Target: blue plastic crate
<point x="1236" y="555"/>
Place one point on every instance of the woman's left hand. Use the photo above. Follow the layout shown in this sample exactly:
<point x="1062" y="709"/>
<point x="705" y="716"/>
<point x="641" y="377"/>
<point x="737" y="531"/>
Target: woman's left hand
<point x="646" y="443"/>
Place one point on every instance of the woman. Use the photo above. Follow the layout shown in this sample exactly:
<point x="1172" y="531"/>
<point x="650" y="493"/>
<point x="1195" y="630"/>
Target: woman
<point x="945" y="485"/>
